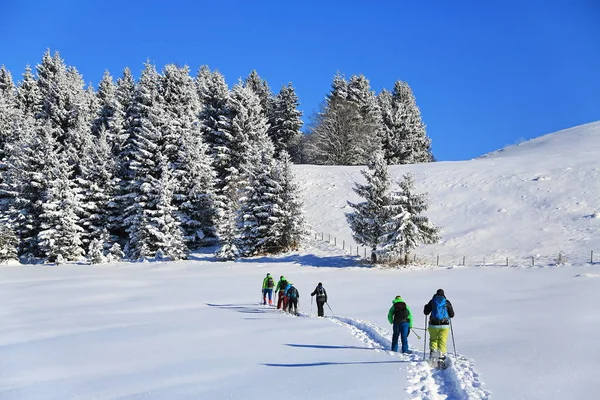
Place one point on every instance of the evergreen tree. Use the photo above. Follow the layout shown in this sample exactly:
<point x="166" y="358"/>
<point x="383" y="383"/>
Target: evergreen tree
<point x="8" y="244"/>
<point x="369" y="219"/>
<point x="291" y="226"/>
<point x="108" y="117"/>
<point x="28" y="94"/>
<point x="124" y="93"/>
<point x="260" y="87"/>
<point x="285" y="122"/>
<point x="26" y="182"/>
<point x="60" y="236"/>
<point x="407" y="140"/>
<point x="407" y="227"/>
<point x="7" y="86"/>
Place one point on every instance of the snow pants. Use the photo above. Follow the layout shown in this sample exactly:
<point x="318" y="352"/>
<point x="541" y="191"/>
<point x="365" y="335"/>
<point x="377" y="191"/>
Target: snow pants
<point x="400" y="329"/>
<point x="438" y="336"/>
<point x="268" y="292"/>
<point x="281" y="301"/>
<point x="320" y="309"/>
<point x="293" y="304"/>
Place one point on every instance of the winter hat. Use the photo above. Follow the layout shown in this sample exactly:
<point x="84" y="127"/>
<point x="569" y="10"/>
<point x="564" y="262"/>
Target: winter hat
<point x="281" y="277"/>
<point x="398" y="297"/>
<point x="320" y="284"/>
<point x="440" y="292"/>
<point x="268" y="274"/>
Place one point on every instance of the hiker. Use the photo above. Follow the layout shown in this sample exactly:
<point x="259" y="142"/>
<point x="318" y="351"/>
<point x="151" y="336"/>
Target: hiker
<point x="267" y="289"/>
<point x="292" y="298"/>
<point x="280" y="289"/>
<point x="321" y="299"/>
<point x="401" y="318"/>
<point x="439" y="323"/>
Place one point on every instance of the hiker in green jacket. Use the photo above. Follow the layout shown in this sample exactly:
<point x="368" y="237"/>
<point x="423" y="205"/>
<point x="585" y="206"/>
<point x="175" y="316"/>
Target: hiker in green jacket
<point x="401" y="318"/>
<point x="267" y="289"/>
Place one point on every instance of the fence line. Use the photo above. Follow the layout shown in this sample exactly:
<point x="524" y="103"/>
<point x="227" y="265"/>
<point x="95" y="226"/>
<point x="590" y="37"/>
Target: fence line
<point x="559" y="259"/>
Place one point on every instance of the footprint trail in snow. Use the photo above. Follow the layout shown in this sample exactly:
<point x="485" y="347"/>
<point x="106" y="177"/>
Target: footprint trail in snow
<point x="459" y="382"/>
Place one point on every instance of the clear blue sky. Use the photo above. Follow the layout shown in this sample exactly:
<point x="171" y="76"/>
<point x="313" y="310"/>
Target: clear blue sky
<point x="486" y="73"/>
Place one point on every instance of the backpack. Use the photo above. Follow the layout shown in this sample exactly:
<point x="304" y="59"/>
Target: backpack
<point x="320" y="291"/>
<point x="270" y="282"/>
<point x="439" y="310"/>
<point x="292" y="292"/>
<point x="400" y="312"/>
<point x="282" y="285"/>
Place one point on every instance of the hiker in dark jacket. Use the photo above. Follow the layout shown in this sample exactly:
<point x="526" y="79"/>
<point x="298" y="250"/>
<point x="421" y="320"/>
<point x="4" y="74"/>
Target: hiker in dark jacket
<point x="281" y="286"/>
<point x="400" y="316"/>
<point x="292" y="296"/>
<point x="321" y="299"/>
<point x="441" y="311"/>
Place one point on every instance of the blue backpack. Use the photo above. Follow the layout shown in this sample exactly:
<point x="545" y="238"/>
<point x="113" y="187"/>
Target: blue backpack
<point x="292" y="292"/>
<point x="439" y="310"/>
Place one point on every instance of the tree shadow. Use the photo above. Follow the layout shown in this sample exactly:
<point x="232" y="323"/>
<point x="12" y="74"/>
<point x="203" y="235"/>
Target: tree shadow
<point x="323" y="346"/>
<point x="243" y="308"/>
<point x="325" y="363"/>
<point x="310" y="260"/>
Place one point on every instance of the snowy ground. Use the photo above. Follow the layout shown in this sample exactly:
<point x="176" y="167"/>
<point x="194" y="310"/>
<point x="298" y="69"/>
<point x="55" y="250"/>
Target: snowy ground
<point x="194" y="329"/>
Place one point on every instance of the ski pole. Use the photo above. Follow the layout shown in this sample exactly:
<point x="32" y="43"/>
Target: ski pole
<point x="332" y="313"/>
<point x="425" y="339"/>
<point x="310" y="305"/>
<point x="453" y="343"/>
<point x="413" y="331"/>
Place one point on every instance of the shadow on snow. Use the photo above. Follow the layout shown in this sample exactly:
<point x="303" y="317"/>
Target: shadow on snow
<point x="321" y="364"/>
<point x="323" y="346"/>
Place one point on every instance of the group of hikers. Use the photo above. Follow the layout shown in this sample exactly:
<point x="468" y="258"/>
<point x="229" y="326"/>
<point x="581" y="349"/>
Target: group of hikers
<point x="439" y="310"/>
<point x="288" y="295"/>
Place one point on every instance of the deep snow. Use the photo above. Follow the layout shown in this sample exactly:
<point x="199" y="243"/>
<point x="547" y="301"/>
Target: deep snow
<point x="195" y="330"/>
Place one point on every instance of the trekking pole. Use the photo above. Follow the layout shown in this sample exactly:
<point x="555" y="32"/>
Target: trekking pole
<point x="310" y="305"/>
<point x="453" y="343"/>
<point x="425" y="339"/>
<point x="332" y="313"/>
<point x="413" y="331"/>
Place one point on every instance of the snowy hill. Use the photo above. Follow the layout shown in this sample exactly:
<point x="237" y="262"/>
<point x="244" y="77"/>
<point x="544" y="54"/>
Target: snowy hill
<point x="537" y="198"/>
<point x="195" y="329"/>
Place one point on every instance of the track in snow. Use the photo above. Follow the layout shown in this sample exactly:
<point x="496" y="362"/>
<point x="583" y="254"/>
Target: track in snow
<point x="459" y="382"/>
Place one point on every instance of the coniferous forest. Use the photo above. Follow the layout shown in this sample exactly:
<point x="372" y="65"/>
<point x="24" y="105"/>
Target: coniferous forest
<point x="157" y="167"/>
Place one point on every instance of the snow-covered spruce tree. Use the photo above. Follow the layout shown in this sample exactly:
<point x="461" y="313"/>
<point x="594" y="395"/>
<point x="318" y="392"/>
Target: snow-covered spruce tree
<point x="291" y="226"/>
<point x="60" y="235"/>
<point x="407" y="227"/>
<point x="26" y="182"/>
<point x="28" y="94"/>
<point x="109" y="115"/>
<point x="369" y="219"/>
<point x="215" y="123"/>
<point x="124" y="92"/>
<point x="188" y="156"/>
<point x="259" y="206"/>
<point x="7" y="86"/>
<point x="348" y="128"/>
<point x="261" y="88"/>
<point x="95" y="254"/>
<point x="165" y="238"/>
<point x="285" y="122"/>
<point x="98" y="186"/>
<point x="8" y="243"/>
<point x="8" y="119"/>
<point x="406" y="140"/>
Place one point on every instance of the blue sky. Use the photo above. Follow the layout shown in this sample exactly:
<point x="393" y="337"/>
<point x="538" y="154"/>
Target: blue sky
<point x="486" y="73"/>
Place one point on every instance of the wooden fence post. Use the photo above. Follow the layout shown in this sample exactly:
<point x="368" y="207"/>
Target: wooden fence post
<point x="507" y="261"/>
<point x="365" y="252"/>
<point x="334" y="241"/>
<point x="484" y="261"/>
<point x="321" y="236"/>
<point x="329" y="238"/>
<point x="464" y="261"/>
<point x="438" y="260"/>
<point x="592" y="257"/>
<point x="532" y="261"/>
<point x="343" y="245"/>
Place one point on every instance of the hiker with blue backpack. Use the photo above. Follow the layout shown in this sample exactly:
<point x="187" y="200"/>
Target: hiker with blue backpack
<point x="441" y="311"/>
<point x="267" y="289"/>
<point x="400" y="317"/>
<point x="292" y="296"/>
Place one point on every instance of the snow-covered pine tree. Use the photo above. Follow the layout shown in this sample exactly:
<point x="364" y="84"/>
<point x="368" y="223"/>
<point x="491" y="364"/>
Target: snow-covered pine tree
<point x="260" y="209"/>
<point x="261" y="88"/>
<point x="188" y="156"/>
<point x="162" y="227"/>
<point x="25" y="182"/>
<point x="215" y="121"/>
<point x="109" y="114"/>
<point x="124" y="93"/>
<point x="8" y="243"/>
<point x="60" y="235"/>
<point x="347" y="130"/>
<point x="408" y="142"/>
<point x="98" y="186"/>
<point x="285" y="122"/>
<point x="95" y="254"/>
<point x="407" y="227"/>
<point x="369" y="219"/>
<point x="28" y="94"/>
<point x="7" y="86"/>
<point x="8" y="116"/>
<point x="291" y="227"/>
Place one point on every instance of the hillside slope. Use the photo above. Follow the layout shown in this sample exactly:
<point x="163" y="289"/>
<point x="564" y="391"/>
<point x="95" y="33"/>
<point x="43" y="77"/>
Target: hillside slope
<point x="538" y="198"/>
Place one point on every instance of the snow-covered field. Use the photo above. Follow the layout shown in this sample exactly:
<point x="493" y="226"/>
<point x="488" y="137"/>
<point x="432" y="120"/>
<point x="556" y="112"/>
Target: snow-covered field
<point x="195" y="330"/>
